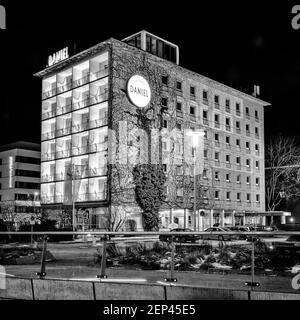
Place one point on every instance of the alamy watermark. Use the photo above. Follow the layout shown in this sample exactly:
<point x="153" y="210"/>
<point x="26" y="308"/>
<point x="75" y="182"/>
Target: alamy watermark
<point x="2" y="278"/>
<point x="296" y="282"/>
<point x="296" y="19"/>
<point x="2" y="17"/>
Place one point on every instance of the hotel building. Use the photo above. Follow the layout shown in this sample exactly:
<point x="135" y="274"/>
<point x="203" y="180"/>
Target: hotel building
<point x="20" y="166"/>
<point x="85" y="97"/>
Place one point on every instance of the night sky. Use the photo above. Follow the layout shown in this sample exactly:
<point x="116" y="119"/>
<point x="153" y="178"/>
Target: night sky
<point x="237" y="44"/>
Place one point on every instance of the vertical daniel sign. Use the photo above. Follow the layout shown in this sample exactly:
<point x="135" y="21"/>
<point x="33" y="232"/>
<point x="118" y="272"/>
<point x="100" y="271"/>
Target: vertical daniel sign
<point x="2" y="18"/>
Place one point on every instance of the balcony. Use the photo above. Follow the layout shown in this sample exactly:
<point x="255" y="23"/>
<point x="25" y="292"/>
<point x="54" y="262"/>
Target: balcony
<point x="247" y="116"/>
<point x="238" y="130"/>
<point x="257" y="119"/>
<point x="65" y="87"/>
<point x="47" y="178"/>
<point x="81" y="81"/>
<point x="228" y="165"/>
<point x="48" y="156"/>
<point x="64" y="109"/>
<point x="228" y="146"/>
<point x="97" y="196"/>
<point x="63" y="154"/>
<point x="49" y="93"/>
<point x="248" y="133"/>
<point x="193" y="118"/>
<point x="248" y="168"/>
<point x="217" y="144"/>
<point x="48" y="114"/>
<point x="48" y="135"/>
<point x="248" y="151"/>
<point x="63" y="131"/>
<point x="227" y="109"/>
<point x="60" y="176"/>
<point x="238" y="113"/>
<point x="256" y="135"/>
<point x="228" y="127"/>
<point x="81" y="104"/>
<point x="99" y="98"/>
<point x="98" y="147"/>
<point x="101" y="73"/>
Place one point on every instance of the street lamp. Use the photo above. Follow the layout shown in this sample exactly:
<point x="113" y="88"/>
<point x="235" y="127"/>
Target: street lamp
<point x="195" y="135"/>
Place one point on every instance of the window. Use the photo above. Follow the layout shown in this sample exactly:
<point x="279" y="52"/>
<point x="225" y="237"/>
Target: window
<point x="217" y="175"/>
<point x="217" y="137"/>
<point x="27" y="185"/>
<point x="256" y="131"/>
<point x="205" y="173"/>
<point x="257" y="198"/>
<point x="0" y="174"/>
<point x="205" y="96"/>
<point x="238" y="196"/>
<point x="247" y="145"/>
<point x="164" y="80"/>
<point x="178" y="126"/>
<point x="164" y="145"/>
<point x="205" y="134"/>
<point x="247" y="111"/>
<point x="248" y="128"/>
<point x="257" y="147"/>
<point x="165" y="124"/>
<point x="28" y="160"/>
<point x="256" y="114"/>
<point x="238" y="108"/>
<point x="227" y="177"/>
<point x="248" y="180"/>
<point x="0" y="186"/>
<point x="227" y="140"/>
<point x="238" y="160"/>
<point x="257" y="164"/>
<point x="192" y="91"/>
<point x="257" y="181"/>
<point x="248" y="163"/>
<point x="205" y="115"/>
<point x="248" y="197"/>
<point x="0" y="162"/>
<point x="217" y="194"/>
<point x="164" y="102"/>
<point x="227" y="158"/>
<point x="227" y="121"/>
<point x="228" y="195"/>
<point x="178" y="106"/>
<point x="227" y="103"/>
<point x="217" y="118"/>
<point x="238" y="178"/>
<point x="27" y="173"/>
<point x="217" y="156"/>
<point x="164" y="167"/>
<point x="178" y="85"/>
<point x="192" y="110"/>
<point x="217" y="99"/>
<point x="238" y="143"/>
<point x="238" y="125"/>
<point x="205" y="153"/>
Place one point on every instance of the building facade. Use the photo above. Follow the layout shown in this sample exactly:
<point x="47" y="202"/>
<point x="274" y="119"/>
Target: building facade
<point x="20" y="181"/>
<point x="93" y="133"/>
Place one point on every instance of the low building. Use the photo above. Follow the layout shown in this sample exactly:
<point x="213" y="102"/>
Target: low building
<point x="20" y="181"/>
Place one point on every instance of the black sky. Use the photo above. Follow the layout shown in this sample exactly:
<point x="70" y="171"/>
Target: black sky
<point x="239" y="44"/>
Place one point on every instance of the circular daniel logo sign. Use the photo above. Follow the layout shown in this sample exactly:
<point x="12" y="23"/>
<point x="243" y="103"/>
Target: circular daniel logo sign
<point x="138" y="91"/>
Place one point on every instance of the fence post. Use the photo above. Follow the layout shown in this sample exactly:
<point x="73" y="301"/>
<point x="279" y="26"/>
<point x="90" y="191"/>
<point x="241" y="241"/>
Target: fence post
<point x="252" y="283"/>
<point x="43" y="273"/>
<point x="103" y="260"/>
<point x="172" y="276"/>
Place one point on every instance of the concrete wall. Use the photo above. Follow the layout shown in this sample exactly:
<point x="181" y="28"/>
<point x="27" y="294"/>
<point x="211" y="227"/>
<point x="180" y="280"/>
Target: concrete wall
<point x="62" y="290"/>
<point x="123" y="291"/>
<point x="50" y="289"/>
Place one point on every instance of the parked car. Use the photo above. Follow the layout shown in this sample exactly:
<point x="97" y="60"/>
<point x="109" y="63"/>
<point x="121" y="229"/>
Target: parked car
<point x="180" y="238"/>
<point x="291" y="243"/>
<point x="219" y="237"/>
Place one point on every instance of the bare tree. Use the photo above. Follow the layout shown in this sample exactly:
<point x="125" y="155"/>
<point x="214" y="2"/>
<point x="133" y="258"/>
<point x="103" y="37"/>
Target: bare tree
<point x="282" y="171"/>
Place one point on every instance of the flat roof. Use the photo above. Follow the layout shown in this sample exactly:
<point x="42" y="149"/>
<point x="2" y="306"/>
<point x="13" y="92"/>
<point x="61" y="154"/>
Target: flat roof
<point x="21" y="145"/>
<point x="98" y="47"/>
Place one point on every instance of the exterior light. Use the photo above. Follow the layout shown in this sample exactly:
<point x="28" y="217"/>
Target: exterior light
<point x="195" y="135"/>
<point x="292" y="219"/>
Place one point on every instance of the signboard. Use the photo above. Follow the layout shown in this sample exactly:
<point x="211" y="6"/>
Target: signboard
<point x="58" y="56"/>
<point x="138" y="91"/>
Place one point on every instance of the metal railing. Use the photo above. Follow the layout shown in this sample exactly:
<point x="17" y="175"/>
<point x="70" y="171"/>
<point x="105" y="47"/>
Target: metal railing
<point x="172" y="239"/>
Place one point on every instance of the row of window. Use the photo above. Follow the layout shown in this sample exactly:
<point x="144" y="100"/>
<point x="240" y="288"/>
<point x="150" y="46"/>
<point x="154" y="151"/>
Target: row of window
<point x="217" y="177"/>
<point x="205" y="98"/>
<point x="26" y="185"/>
<point x="228" y="196"/>
<point x="228" y="159"/>
<point x="30" y="160"/>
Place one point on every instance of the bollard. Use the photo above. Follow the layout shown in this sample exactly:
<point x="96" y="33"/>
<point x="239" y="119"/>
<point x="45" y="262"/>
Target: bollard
<point x="172" y="276"/>
<point x="103" y="260"/>
<point x="252" y="283"/>
<point x="43" y="273"/>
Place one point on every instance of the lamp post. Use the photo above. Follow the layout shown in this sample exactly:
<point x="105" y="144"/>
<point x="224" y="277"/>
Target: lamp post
<point x="195" y="135"/>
